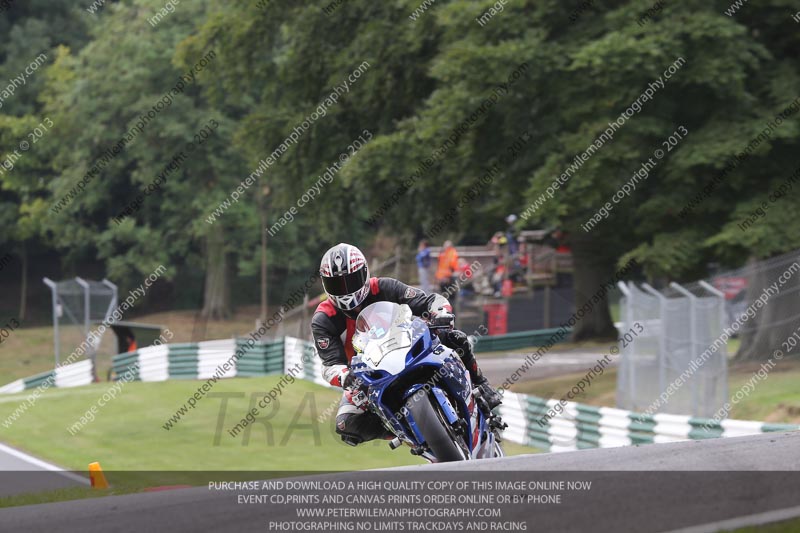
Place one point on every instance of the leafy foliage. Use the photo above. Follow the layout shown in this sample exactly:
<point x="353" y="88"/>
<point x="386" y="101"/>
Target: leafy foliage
<point x="277" y="61"/>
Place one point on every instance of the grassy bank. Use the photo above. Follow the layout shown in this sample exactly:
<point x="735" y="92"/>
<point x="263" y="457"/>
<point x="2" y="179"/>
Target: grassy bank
<point x="128" y="433"/>
<point x="773" y="399"/>
<point x="29" y="351"/>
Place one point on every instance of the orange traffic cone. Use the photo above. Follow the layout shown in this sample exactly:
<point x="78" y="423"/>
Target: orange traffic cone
<point x="97" y="476"/>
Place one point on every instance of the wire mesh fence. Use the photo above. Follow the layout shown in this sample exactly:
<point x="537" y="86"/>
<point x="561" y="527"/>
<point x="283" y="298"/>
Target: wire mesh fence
<point x="678" y="363"/>
<point x="762" y="301"/>
<point x="77" y="305"/>
<point x="666" y="364"/>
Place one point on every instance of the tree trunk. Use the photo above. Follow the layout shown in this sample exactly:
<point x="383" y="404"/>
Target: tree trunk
<point x="216" y="296"/>
<point x="773" y="323"/>
<point x="23" y="291"/>
<point x="592" y="270"/>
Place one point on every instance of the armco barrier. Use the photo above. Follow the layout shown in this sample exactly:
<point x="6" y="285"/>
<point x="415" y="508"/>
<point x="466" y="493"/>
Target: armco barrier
<point x="72" y="375"/>
<point x="521" y="339"/>
<point x="182" y="361"/>
<point x="576" y="426"/>
<point x="203" y="360"/>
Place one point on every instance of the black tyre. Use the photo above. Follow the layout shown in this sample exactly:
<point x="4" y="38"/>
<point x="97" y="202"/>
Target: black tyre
<point x="439" y="436"/>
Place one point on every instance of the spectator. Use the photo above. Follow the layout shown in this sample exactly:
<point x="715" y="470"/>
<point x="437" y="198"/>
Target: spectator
<point x="466" y="277"/>
<point x="498" y="275"/>
<point x="523" y="257"/>
<point x="561" y="239"/>
<point x="511" y="237"/>
<point x="498" y="243"/>
<point x="448" y="265"/>
<point x="423" y="264"/>
<point x="557" y="239"/>
<point x="131" y="343"/>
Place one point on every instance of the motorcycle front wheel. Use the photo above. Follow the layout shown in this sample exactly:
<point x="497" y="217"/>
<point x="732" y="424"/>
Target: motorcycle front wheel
<point x="440" y="437"/>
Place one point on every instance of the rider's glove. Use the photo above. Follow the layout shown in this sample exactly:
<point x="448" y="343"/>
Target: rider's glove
<point x="354" y="391"/>
<point x="349" y="381"/>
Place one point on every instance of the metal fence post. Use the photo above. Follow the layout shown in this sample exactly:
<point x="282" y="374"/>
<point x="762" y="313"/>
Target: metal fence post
<point x="114" y="299"/>
<point x="662" y="338"/>
<point x="86" y="319"/>
<point x="722" y="320"/>
<point x="50" y="283"/>
<point x="85" y="286"/>
<point x="692" y="338"/>
<point x="625" y="364"/>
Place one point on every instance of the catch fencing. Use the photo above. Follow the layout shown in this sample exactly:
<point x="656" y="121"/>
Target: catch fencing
<point x="665" y="364"/>
<point x="765" y="332"/>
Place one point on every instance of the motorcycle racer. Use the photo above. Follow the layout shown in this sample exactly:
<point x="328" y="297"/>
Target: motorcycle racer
<point x="350" y="289"/>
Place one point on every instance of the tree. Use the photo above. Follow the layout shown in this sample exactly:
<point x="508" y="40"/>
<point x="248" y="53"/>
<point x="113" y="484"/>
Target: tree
<point x="295" y="55"/>
<point x="25" y="53"/>
<point x="160" y="117"/>
<point x="445" y="100"/>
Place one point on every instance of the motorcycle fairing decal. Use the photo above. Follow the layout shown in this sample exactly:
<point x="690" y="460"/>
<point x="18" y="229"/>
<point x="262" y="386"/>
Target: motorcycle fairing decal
<point x="474" y="422"/>
<point x="476" y="435"/>
<point x="453" y="385"/>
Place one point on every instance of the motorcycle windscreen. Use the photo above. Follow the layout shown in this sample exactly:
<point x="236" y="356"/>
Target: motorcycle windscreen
<point x="385" y="335"/>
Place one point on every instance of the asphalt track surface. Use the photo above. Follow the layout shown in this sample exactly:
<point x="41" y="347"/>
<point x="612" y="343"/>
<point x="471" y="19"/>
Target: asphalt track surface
<point x="48" y="476"/>
<point x="551" y="364"/>
<point x="657" y="487"/>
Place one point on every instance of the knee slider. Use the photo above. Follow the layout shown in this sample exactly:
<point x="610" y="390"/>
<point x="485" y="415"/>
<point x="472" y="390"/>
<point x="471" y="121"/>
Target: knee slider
<point x="341" y="423"/>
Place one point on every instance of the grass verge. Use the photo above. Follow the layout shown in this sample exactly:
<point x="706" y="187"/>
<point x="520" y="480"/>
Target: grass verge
<point x="776" y="398"/>
<point x="292" y="434"/>
<point x="29" y="350"/>
<point x="788" y="526"/>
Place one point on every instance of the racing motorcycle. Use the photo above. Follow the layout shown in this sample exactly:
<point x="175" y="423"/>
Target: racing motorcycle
<point x="420" y="388"/>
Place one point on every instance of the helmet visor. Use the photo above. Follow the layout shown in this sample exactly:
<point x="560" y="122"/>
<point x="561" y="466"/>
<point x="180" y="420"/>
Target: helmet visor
<point x="346" y="284"/>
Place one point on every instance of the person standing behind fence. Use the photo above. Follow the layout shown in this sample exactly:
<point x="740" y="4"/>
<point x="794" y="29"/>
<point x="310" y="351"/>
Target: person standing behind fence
<point x="423" y="264"/>
<point x="448" y="265"/>
<point x="511" y="235"/>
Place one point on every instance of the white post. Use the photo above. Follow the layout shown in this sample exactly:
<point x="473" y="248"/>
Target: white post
<point x="662" y="338"/>
<point x="693" y="339"/>
<point x="722" y="320"/>
<point x="50" y="283"/>
<point x="86" y="320"/>
<point x="625" y="364"/>
<point x="113" y="304"/>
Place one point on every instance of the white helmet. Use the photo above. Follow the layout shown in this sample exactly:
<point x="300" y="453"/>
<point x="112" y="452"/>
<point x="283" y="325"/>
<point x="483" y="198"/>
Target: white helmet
<point x="345" y="276"/>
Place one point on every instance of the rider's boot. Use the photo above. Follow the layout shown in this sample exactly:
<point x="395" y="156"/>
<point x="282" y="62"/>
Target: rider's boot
<point x="488" y="392"/>
<point x="355" y="428"/>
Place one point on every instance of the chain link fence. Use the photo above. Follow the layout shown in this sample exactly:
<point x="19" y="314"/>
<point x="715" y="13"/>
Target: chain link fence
<point x="666" y="365"/>
<point x="678" y="362"/>
<point x="77" y="304"/>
